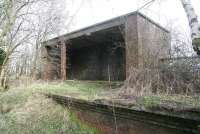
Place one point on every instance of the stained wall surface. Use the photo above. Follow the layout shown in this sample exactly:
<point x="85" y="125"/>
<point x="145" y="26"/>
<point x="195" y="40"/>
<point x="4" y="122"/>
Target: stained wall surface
<point x="153" y="43"/>
<point x="133" y="41"/>
<point x="51" y="60"/>
<point x="98" y="62"/>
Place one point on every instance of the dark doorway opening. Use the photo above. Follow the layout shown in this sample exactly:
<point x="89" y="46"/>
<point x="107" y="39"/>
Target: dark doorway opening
<point x="98" y="56"/>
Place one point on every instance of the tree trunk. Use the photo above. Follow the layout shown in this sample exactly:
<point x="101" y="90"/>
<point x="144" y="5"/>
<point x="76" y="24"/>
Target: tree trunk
<point x="3" y="73"/>
<point x="34" y="69"/>
<point x="194" y="25"/>
<point x="3" y="79"/>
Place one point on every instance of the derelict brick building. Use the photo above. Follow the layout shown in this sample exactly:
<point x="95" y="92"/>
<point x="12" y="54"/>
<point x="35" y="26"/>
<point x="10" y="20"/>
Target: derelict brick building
<point x="106" y="51"/>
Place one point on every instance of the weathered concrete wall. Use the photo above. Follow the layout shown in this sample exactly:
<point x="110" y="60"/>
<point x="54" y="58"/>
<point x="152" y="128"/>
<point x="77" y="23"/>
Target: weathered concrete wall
<point x="153" y="43"/>
<point x="111" y="124"/>
<point x="51" y="60"/>
<point x="131" y="41"/>
<point x="145" y="43"/>
<point x="64" y="60"/>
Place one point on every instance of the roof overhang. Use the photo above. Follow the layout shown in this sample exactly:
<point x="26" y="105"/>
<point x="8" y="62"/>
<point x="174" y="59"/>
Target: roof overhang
<point x="118" y="21"/>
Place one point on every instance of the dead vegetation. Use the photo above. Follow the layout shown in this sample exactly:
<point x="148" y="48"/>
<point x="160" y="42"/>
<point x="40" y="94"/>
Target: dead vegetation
<point x="176" y="77"/>
<point x="139" y="83"/>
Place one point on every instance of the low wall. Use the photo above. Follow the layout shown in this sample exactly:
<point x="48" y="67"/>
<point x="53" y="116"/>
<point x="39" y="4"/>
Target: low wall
<point x="110" y="119"/>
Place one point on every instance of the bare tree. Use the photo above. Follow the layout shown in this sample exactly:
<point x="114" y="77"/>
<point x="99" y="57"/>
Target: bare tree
<point x="193" y="23"/>
<point x="49" y="22"/>
<point x="12" y="25"/>
<point x="23" y="22"/>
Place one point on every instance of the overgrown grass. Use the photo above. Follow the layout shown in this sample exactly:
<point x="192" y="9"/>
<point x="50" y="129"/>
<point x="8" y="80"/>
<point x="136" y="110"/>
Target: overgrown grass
<point x="78" y="89"/>
<point x="25" y="111"/>
<point x="104" y="90"/>
<point x="171" y="101"/>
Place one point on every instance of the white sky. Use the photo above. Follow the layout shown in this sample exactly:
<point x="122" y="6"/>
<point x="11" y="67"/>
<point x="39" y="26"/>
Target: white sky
<point x="168" y="13"/>
<point x="165" y="12"/>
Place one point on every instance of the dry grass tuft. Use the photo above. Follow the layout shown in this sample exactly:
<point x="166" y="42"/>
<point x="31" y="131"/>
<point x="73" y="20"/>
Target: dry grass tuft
<point x="140" y="83"/>
<point x="169" y="80"/>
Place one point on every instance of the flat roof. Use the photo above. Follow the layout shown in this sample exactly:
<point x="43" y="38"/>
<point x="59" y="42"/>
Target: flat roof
<point x="120" y="20"/>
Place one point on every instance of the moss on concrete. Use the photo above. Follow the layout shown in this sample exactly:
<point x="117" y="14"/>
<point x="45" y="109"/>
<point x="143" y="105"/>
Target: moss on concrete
<point x="149" y="101"/>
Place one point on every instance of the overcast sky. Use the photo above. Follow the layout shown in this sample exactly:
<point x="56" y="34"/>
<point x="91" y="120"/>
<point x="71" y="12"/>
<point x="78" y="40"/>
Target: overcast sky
<point x="89" y="12"/>
<point x="168" y="13"/>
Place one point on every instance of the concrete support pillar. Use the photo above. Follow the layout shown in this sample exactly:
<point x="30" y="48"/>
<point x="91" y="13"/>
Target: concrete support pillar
<point x="63" y="60"/>
<point x="131" y="42"/>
